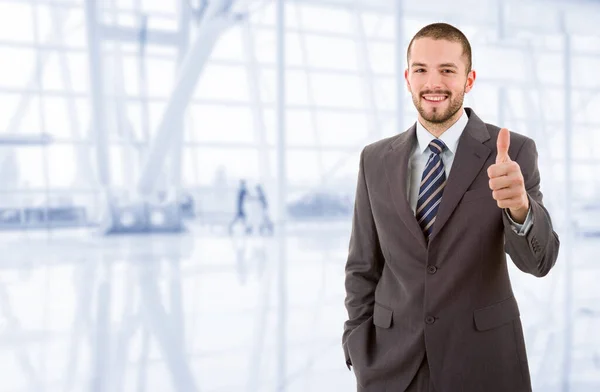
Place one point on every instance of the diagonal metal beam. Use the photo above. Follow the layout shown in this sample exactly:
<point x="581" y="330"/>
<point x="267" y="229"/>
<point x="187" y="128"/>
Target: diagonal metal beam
<point x="184" y="19"/>
<point x="191" y="68"/>
<point x="84" y="164"/>
<point x="157" y="319"/>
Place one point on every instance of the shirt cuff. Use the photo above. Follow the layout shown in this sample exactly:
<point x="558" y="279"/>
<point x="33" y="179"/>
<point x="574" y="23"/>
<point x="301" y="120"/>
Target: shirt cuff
<point x="521" y="229"/>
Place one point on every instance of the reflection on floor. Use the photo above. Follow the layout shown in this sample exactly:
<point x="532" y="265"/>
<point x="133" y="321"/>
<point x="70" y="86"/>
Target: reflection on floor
<point x="206" y="312"/>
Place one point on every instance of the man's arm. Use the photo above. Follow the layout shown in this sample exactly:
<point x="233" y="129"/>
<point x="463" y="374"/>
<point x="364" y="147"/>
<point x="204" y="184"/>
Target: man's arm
<point x="536" y="251"/>
<point x="365" y="261"/>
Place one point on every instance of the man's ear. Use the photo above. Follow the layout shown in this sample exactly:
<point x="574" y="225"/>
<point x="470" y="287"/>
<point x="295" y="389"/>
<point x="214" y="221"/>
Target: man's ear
<point x="406" y="79"/>
<point x="471" y="76"/>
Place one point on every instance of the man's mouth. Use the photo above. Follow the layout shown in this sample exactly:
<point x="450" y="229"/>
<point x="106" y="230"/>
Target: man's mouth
<point x="435" y="97"/>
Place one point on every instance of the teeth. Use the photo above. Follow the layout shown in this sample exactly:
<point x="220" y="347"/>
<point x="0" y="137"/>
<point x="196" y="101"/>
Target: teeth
<point x="435" y="98"/>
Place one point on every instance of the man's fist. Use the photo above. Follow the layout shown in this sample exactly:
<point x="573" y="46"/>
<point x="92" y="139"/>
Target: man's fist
<point x="506" y="181"/>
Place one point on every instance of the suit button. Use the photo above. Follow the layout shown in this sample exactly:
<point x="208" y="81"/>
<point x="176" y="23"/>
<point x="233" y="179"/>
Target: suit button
<point x="430" y="319"/>
<point x="432" y="269"/>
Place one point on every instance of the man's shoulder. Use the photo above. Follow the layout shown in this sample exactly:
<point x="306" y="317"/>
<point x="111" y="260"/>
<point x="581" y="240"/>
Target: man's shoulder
<point x="516" y="139"/>
<point x="379" y="146"/>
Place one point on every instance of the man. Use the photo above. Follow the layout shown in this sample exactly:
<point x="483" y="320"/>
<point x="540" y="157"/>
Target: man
<point x="428" y="295"/>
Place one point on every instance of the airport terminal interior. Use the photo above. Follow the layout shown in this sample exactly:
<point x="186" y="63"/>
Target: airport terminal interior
<point x="177" y="182"/>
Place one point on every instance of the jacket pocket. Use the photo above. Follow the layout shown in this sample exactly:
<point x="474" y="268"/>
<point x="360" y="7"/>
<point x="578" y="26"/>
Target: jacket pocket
<point x="496" y="315"/>
<point x="382" y="316"/>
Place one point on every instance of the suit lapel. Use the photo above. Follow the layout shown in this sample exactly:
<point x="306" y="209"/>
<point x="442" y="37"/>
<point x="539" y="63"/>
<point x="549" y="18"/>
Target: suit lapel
<point x="471" y="155"/>
<point x="396" y="170"/>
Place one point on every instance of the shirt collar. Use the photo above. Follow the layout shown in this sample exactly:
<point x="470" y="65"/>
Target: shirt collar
<point x="450" y="137"/>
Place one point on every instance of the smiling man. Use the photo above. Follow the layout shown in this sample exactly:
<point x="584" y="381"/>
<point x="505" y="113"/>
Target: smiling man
<point x="437" y="208"/>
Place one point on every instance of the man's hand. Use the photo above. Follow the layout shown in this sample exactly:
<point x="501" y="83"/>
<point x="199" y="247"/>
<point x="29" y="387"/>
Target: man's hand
<point x="506" y="181"/>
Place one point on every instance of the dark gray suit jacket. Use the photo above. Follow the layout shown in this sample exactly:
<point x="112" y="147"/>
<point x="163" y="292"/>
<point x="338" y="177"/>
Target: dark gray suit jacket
<point x="451" y="298"/>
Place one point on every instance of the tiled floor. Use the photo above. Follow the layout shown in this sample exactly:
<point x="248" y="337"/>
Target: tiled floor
<point x="202" y="311"/>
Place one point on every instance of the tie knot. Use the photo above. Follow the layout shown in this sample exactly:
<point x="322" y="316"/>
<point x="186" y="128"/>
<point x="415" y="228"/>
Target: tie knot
<point x="437" y="146"/>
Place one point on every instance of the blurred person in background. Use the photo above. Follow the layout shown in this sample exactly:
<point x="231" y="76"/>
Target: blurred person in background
<point x="240" y="215"/>
<point x="265" y="224"/>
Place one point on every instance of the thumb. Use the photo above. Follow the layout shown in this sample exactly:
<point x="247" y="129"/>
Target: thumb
<point x="502" y="144"/>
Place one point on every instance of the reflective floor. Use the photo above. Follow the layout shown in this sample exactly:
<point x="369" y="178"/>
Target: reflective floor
<point x="203" y="311"/>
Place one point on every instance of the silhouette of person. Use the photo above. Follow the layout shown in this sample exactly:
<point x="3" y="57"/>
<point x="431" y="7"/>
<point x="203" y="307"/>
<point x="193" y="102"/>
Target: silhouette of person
<point x="241" y="208"/>
<point x="265" y="223"/>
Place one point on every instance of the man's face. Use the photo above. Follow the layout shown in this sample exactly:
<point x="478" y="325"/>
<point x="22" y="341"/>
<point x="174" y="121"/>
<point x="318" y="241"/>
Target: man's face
<point x="437" y="78"/>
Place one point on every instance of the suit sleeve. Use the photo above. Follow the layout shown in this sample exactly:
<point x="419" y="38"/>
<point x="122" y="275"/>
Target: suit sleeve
<point x="364" y="264"/>
<point x="536" y="252"/>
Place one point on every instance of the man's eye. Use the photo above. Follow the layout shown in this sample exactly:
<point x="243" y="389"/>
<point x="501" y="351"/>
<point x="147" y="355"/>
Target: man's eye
<point x="448" y="71"/>
<point x="419" y="70"/>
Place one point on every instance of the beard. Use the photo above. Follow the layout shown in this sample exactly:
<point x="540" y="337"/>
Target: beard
<point x="439" y="115"/>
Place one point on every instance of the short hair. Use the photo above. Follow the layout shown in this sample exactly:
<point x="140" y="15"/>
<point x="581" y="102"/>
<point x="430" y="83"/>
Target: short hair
<point x="447" y="32"/>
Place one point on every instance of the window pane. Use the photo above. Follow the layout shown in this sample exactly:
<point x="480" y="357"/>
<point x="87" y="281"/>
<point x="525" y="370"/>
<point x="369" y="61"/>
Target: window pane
<point x="132" y="77"/>
<point x="296" y="89"/>
<point x="220" y="123"/>
<point x="342" y="129"/>
<point x="265" y="14"/>
<point x="229" y="45"/>
<point x="337" y="90"/>
<point x="30" y="164"/>
<point x="135" y="118"/>
<point x="332" y="53"/>
<point x="62" y="169"/>
<point x="584" y="71"/>
<point x="299" y="128"/>
<point x="547" y="67"/>
<point x="155" y="113"/>
<point x="382" y="58"/>
<point x="303" y="167"/>
<point x="16" y="22"/>
<point x="60" y="116"/>
<point x="385" y="94"/>
<point x="124" y="165"/>
<point x="223" y="82"/>
<point x="265" y="45"/>
<point x="378" y="26"/>
<point x="18" y="67"/>
<point x="161" y="76"/>
<point x="64" y="71"/>
<point x="19" y="114"/>
<point x="237" y="163"/>
<point x="487" y="58"/>
<point x="322" y="18"/>
<point x="160" y="6"/>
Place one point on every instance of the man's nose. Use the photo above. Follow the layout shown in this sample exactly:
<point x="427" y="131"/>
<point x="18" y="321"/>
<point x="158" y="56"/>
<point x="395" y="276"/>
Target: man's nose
<point x="434" y="81"/>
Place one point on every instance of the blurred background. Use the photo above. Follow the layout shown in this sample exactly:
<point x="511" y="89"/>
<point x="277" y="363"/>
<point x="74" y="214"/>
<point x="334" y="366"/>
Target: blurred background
<point x="177" y="181"/>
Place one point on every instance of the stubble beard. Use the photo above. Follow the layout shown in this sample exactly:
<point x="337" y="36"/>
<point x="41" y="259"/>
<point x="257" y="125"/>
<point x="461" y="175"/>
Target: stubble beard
<point x="434" y="116"/>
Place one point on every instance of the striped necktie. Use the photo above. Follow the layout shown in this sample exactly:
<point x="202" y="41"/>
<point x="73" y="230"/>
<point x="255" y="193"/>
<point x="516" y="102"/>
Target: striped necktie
<point x="431" y="188"/>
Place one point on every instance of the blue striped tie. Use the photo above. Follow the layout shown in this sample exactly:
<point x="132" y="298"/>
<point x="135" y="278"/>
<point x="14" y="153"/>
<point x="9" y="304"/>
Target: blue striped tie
<point x="431" y="189"/>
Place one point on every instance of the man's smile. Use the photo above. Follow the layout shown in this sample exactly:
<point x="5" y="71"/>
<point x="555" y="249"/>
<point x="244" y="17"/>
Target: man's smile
<point x="435" y="97"/>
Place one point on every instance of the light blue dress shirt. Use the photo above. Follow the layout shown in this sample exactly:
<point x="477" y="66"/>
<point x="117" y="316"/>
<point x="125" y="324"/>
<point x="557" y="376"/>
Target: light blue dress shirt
<point x="418" y="160"/>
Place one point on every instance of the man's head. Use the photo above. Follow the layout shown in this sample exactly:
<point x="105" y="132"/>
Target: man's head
<point x="439" y="72"/>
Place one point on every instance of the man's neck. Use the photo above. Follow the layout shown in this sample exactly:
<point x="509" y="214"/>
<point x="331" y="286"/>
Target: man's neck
<point x="437" y="129"/>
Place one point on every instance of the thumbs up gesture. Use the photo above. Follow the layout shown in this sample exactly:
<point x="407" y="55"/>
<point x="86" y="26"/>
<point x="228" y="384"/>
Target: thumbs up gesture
<point x="507" y="182"/>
